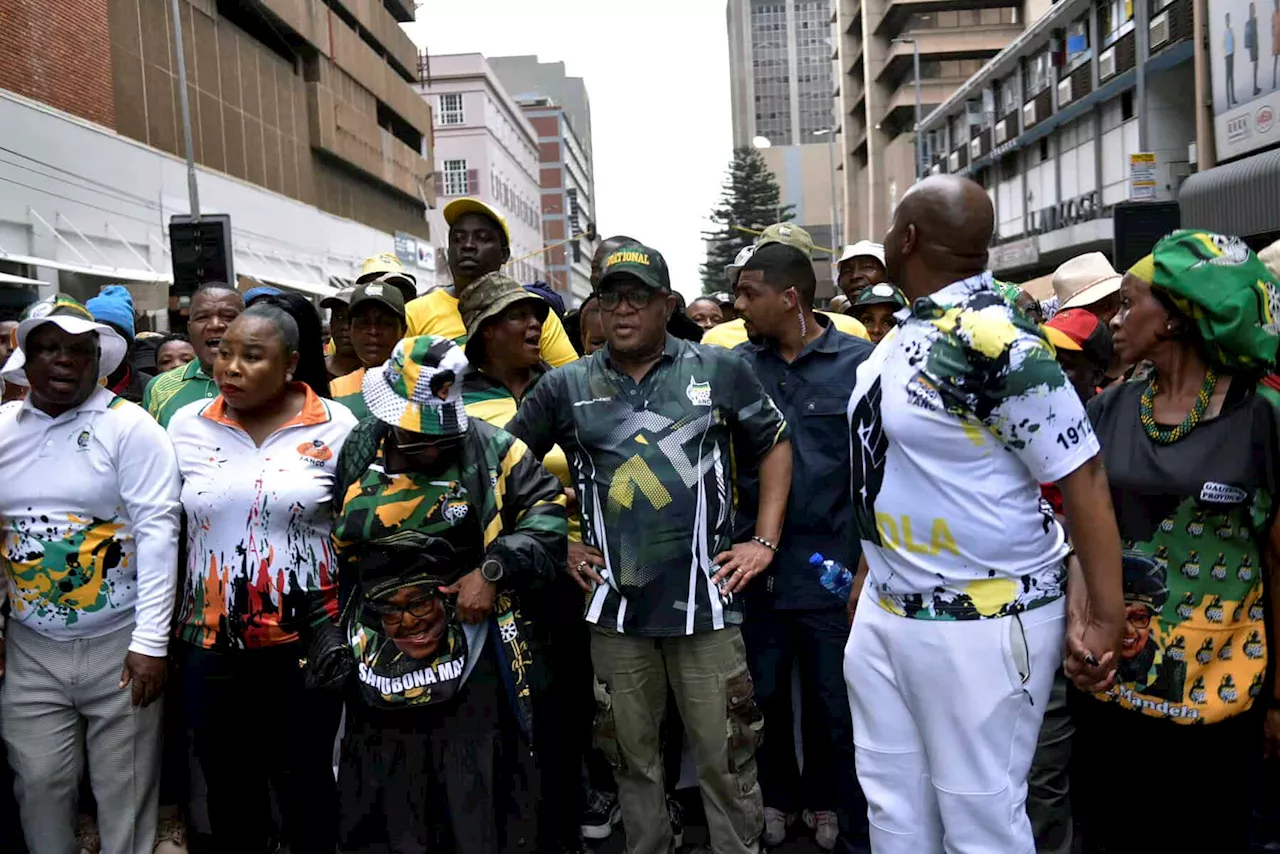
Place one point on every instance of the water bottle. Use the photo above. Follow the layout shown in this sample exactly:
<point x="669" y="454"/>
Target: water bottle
<point x="835" y="576"/>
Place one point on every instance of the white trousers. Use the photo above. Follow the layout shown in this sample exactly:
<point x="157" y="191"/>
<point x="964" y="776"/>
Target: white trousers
<point x="945" y="720"/>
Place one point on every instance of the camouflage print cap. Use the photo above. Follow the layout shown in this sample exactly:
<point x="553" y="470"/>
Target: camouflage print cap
<point x="489" y="296"/>
<point x="788" y="235"/>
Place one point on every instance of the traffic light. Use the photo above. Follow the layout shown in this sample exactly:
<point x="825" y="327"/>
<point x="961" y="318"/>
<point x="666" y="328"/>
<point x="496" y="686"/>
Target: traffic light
<point x="201" y="251"/>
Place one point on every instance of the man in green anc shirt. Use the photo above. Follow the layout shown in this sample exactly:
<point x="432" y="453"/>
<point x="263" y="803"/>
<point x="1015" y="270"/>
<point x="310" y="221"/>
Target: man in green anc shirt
<point x="213" y="307"/>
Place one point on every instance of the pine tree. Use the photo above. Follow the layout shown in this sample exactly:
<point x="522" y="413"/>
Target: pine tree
<point x="749" y="199"/>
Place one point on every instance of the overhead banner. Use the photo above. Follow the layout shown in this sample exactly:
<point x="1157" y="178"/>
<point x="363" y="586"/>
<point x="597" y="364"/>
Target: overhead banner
<point x="1243" y="52"/>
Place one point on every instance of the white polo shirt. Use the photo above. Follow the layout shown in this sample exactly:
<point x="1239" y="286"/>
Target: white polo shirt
<point x="260" y="562"/>
<point x="955" y="421"/>
<point x="89" y="509"/>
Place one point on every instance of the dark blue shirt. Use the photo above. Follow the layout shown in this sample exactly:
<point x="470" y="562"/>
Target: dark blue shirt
<point x="813" y="393"/>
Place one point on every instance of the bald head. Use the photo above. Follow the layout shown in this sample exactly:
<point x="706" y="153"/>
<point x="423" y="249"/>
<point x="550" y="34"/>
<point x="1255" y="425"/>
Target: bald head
<point x="940" y="234"/>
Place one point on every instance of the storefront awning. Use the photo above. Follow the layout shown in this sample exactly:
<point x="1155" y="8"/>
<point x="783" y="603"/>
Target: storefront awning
<point x="1240" y="198"/>
<point x="10" y="279"/>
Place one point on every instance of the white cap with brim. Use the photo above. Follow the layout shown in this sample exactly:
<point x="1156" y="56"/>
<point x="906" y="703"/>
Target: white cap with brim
<point x="112" y="346"/>
<point x="744" y="255"/>
<point x="869" y="248"/>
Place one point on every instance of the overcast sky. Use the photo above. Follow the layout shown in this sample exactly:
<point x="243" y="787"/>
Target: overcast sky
<point x="657" y="73"/>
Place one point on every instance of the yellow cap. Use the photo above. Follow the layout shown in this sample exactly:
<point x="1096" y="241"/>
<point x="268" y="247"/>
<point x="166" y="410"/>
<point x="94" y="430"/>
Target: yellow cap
<point x="387" y="268"/>
<point x="458" y="207"/>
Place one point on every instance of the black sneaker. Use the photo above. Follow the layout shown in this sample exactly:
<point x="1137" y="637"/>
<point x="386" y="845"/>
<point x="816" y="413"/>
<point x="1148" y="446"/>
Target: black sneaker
<point x="602" y="816"/>
<point x="676" y="813"/>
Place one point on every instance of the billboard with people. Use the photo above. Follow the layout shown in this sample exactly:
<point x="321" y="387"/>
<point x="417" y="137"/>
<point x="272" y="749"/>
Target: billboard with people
<point x="1244" y="52"/>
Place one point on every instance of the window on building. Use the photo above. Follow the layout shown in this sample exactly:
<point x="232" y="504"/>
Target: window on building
<point x="451" y="109"/>
<point x="1036" y="74"/>
<point x="1077" y="42"/>
<point x="455" y="177"/>
<point x="1115" y="18"/>
<point x="1126" y="106"/>
<point x="1006" y="95"/>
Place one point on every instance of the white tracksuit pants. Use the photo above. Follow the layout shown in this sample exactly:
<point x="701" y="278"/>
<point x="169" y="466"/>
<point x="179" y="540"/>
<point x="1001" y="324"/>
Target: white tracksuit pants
<point x="945" y="720"/>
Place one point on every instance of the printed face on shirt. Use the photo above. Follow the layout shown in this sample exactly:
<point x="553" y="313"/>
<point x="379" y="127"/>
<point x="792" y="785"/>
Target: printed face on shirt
<point x="1141" y="324"/>
<point x="1137" y="629"/>
<point x="415" y="620"/>
<point x="374" y="330"/>
<point x="174" y="353"/>
<point x="62" y="368"/>
<point x="515" y="336"/>
<point x="252" y="366"/>
<point x="212" y="311"/>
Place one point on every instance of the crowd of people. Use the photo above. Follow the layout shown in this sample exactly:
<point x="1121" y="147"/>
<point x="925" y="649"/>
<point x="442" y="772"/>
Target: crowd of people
<point x="468" y="572"/>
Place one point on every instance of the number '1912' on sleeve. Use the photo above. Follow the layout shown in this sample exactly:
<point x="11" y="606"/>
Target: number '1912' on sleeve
<point x="1039" y="416"/>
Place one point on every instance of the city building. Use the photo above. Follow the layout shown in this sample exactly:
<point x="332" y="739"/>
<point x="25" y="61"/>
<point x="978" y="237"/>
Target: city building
<point x="560" y="111"/>
<point x="1087" y="109"/>
<point x="782" y="84"/>
<point x="876" y="56"/>
<point x="485" y="149"/>
<point x="1236" y="189"/>
<point x="306" y="130"/>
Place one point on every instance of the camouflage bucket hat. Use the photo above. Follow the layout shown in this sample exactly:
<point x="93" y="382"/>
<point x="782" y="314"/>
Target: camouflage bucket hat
<point x="489" y="296"/>
<point x="1229" y="294"/>
<point x="419" y="389"/>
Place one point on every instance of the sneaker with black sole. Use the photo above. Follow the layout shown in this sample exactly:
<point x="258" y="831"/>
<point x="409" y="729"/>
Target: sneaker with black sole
<point x="603" y="814"/>
<point x="676" y="813"/>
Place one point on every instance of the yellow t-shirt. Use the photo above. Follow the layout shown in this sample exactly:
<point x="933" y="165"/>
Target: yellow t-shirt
<point x="731" y="334"/>
<point x="436" y="313"/>
<point x="499" y="411"/>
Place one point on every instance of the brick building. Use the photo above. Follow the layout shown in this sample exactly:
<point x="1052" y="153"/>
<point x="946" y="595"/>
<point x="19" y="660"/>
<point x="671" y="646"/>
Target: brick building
<point x="306" y="128"/>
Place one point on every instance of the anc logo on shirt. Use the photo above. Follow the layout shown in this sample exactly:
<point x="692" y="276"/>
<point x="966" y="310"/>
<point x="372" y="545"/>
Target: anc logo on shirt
<point x="699" y="394"/>
<point x="315" y="452"/>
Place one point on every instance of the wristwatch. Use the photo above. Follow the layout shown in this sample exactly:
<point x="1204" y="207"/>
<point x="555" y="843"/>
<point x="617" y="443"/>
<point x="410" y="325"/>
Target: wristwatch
<point x="491" y="570"/>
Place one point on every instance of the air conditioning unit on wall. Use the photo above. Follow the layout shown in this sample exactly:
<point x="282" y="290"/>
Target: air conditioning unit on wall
<point x="1159" y="30"/>
<point x="1107" y="63"/>
<point x="975" y="149"/>
<point x="1064" y="92"/>
<point x="1002" y="131"/>
<point x="1028" y="114"/>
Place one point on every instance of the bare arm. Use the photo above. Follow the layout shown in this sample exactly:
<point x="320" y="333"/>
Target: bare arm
<point x="746" y="560"/>
<point x="1097" y="623"/>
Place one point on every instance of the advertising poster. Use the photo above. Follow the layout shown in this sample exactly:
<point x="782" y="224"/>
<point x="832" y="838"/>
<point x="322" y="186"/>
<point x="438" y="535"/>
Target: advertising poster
<point x="1244" y="56"/>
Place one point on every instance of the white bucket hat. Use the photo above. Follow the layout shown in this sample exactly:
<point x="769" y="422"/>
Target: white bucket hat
<point x="74" y="319"/>
<point x="869" y="248"/>
<point x="1084" y="280"/>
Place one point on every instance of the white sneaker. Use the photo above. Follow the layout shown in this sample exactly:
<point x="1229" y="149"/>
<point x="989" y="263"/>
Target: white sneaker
<point x="775" y="826"/>
<point x="825" y="826"/>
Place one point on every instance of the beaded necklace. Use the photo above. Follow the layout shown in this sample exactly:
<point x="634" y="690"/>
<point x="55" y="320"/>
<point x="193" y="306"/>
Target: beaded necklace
<point x="1169" y="435"/>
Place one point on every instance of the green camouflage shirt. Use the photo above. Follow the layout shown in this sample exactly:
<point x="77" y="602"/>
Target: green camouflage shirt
<point x="653" y="463"/>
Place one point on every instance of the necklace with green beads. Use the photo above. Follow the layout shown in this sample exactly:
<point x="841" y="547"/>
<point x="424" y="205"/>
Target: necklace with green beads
<point x="1169" y="435"/>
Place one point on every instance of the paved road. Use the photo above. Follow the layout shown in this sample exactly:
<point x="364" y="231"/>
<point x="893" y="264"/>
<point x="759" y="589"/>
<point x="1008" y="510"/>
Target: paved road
<point x="695" y="832"/>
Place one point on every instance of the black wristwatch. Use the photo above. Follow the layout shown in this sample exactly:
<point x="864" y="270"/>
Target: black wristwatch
<point x="491" y="570"/>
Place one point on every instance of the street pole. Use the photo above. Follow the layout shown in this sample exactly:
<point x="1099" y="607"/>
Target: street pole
<point x="915" y="61"/>
<point x="837" y="237"/>
<point x="192" y="190"/>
